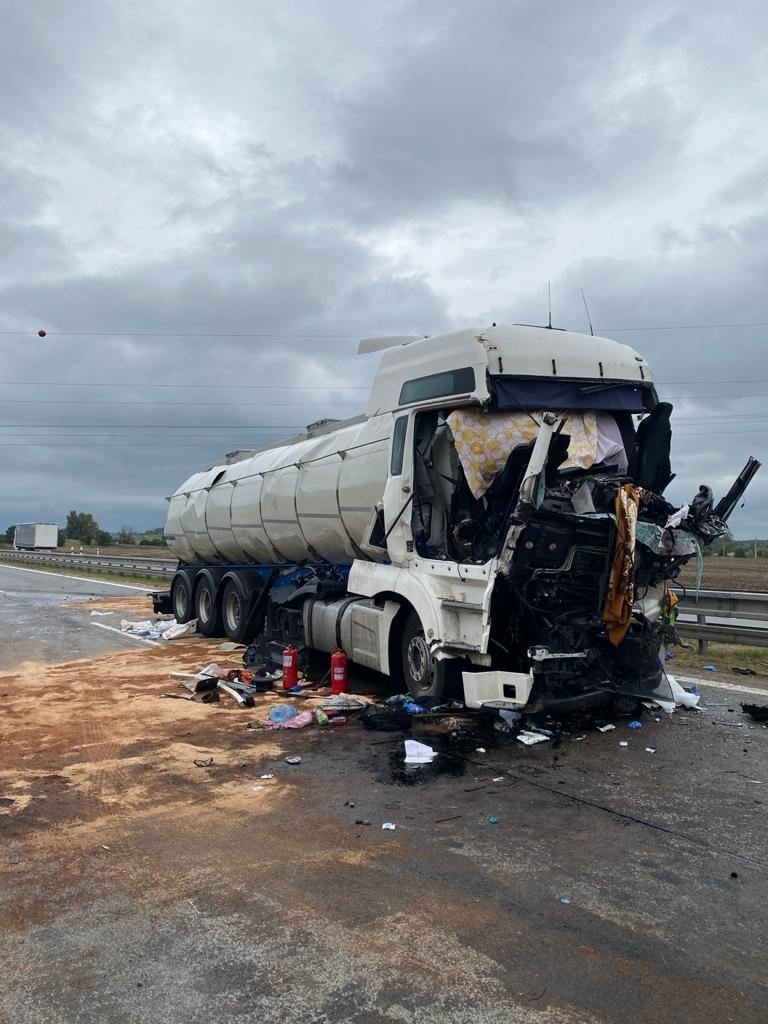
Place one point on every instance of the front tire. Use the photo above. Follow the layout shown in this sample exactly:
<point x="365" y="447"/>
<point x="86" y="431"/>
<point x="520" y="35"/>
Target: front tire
<point x="417" y="664"/>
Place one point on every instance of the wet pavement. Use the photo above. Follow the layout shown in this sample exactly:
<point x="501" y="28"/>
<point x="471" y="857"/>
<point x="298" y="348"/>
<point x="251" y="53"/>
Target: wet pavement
<point x="37" y="624"/>
<point x="581" y="881"/>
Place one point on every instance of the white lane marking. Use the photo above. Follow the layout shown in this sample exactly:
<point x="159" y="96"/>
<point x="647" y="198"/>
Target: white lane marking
<point x="64" y="576"/>
<point x="711" y="683"/>
<point x="128" y="636"/>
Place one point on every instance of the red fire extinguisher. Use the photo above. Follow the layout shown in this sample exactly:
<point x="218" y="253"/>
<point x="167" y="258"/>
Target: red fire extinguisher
<point x="290" y="667"/>
<point x="338" y="672"/>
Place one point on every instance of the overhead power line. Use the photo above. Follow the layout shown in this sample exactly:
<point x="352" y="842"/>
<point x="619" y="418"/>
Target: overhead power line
<point x="185" y="405"/>
<point x="292" y="388"/>
<point x="154" y="426"/>
<point x="339" y="334"/>
<point x="105" y="444"/>
<point x="169" y="334"/>
<point x="159" y="447"/>
<point x="682" y="327"/>
<point x="208" y="387"/>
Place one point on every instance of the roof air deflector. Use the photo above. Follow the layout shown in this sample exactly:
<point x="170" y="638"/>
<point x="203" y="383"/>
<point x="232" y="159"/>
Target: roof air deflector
<point x="389" y="341"/>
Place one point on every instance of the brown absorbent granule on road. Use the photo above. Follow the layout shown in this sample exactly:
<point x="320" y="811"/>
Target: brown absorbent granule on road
<point x="139" y="607"/>
<point x="87" y="739"/>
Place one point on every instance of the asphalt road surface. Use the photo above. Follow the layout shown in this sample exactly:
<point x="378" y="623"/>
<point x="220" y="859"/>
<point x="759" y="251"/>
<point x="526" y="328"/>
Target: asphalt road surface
<point x="41" y="618"/>
<point x="580" y="882"/>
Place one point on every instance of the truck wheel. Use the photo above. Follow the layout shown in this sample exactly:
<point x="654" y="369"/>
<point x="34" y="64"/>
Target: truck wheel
<point x="417" y="664"/>
<point x="181" y="598"/>
<point x="234" y="613"/>
<point x="207" y="611"/>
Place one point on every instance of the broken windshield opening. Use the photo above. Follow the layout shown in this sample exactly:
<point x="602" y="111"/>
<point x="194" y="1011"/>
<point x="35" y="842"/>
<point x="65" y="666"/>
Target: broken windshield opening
<point x="469" y="465"/>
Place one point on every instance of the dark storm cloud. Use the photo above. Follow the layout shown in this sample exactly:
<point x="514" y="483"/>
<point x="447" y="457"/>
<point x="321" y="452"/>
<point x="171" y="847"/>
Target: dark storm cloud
<point x="343" y="169"/>
<point x="504" y="103"/>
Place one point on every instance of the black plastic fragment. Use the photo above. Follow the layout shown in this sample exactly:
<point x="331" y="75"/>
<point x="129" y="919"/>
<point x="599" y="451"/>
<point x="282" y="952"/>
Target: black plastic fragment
<point x="757" y="711"/>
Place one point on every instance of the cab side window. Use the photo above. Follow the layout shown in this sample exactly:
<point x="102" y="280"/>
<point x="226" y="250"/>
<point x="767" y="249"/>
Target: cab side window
<point x="398" y="446"/>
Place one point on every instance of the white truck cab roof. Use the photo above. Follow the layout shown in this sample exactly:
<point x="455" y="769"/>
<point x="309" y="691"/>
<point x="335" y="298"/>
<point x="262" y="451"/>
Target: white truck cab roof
<point x="458" y="364"/>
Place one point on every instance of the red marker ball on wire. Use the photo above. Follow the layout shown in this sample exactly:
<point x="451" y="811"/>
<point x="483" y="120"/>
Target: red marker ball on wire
<point x="41" y="333"/>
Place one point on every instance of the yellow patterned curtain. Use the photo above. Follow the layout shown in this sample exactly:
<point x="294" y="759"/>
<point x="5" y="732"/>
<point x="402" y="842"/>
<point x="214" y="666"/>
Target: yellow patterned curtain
<point x="484" y="441"/>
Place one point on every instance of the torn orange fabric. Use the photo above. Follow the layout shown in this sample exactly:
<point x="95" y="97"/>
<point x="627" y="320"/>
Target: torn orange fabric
<point x="621" y="588"/>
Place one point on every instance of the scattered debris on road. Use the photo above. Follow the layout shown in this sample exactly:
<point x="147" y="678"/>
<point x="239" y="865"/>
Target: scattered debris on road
<point x="531" y="738"/>
<point x="162" y="628"/>
<point x="757" y="711"/>
<point x="418" y="753"/>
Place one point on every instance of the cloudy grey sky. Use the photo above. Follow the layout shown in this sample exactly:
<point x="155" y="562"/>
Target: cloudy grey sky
<point x="184" y="184"/>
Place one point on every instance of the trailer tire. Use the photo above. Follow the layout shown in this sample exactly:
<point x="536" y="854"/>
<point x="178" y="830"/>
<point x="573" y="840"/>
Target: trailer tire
<point x="207" y="608"/>
<point x="181" y="597"/>
<point x="418" y="667"/>
<point x="234" y="612"/>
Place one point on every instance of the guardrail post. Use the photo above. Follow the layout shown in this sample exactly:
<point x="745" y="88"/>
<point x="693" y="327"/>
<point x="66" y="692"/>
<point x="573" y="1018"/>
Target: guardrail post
<point x="703" y="644"/>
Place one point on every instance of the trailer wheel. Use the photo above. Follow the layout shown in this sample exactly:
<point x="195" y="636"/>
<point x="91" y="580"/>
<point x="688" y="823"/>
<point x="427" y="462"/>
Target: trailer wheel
<point x="234" y="612"/>
<point x="417" y="664"/>
<point x="207" y="611"/>
<point x="181" y="597"/>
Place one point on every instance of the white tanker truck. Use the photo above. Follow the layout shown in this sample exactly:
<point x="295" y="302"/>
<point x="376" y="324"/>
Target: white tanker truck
<point x="492" y="527"/>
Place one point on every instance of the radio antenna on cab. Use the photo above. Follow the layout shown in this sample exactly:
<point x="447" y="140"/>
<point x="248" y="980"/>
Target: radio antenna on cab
<point x="586" y="310"/>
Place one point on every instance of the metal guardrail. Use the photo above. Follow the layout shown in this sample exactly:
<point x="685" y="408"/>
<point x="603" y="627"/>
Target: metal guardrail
<point x="126" y="565"/>
<point x="745" y="614"/>
<point x="750" y="612"/>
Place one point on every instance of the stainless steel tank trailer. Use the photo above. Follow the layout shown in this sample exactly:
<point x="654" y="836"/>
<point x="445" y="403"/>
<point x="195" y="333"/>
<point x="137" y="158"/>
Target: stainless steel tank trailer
<point x="494" y="524"/>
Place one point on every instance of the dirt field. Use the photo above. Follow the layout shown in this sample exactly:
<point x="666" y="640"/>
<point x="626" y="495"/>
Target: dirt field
<point x="581" y="883"/>
<point x="750" y="574"/>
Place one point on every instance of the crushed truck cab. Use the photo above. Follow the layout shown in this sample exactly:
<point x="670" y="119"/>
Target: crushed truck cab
<point x="494" y="526"/>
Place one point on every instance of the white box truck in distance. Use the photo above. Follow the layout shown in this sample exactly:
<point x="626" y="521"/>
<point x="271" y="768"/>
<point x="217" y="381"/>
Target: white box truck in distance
<point x="493" y="527"/>
<point x="35" y="536"/>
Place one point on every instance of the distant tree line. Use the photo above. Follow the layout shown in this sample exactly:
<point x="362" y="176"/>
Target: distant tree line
<point x="81" y="528"/>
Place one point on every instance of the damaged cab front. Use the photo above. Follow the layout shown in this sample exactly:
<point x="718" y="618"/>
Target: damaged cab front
<point x="557" y="491"/>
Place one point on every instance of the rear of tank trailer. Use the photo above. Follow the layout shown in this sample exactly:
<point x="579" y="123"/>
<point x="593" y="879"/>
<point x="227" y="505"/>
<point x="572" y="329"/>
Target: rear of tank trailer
<point x="517" y="543"/>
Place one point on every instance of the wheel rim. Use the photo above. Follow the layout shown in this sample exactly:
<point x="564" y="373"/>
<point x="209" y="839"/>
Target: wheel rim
<point x="204" y="604"/>
<point x="232" y="612"/>
<point x="180" y="602"/>
<point x="419" y="661"/>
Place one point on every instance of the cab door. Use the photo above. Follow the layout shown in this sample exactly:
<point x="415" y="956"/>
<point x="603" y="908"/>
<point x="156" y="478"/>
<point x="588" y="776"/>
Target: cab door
<point x="398" y="492"/>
